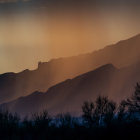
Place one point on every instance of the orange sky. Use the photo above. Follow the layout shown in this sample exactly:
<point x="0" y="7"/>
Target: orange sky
<point x="29" y="37"/>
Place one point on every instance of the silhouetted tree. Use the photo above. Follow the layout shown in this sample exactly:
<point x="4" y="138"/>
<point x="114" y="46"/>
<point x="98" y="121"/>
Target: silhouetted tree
<point x="88" y="113"/>
<point x="41" y="120"/>
<point x="134" y="102"/>
<point x="130" y="108"/>
<point x="122" y="111"/>
<point x="8" y="119"/>
<point x="99" y="114"/>
<point x="9" y="124"/>
<point x="105" y="110"/>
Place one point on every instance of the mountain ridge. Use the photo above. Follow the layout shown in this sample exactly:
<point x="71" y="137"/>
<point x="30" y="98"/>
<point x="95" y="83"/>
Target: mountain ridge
<point x="39" y="98"/>
<point x="69" y="95"/>
<point x="57" y="70"/>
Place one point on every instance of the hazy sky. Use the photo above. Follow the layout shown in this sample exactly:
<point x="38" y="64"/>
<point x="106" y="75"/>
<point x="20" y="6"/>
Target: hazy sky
<point x="39" y="30"/>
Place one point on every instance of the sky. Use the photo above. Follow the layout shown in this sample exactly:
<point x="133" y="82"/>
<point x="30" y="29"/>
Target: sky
<point x="40" y="30"/>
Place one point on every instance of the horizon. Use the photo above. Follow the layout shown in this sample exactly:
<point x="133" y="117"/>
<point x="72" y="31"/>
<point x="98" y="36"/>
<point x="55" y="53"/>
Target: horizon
<point x="38" y="30"/>
<point x="65" y="57"/>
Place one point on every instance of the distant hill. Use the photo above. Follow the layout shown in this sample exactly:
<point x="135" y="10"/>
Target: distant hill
<point x="69" y="95"/>
<point x="14" y="85"/>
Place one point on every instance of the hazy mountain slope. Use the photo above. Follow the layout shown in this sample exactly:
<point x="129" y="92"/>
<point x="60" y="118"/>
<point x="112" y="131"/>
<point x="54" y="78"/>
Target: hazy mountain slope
<point x="66" y="94"/>
<point x="69" y="95"/>
<point x="50" y="73"/>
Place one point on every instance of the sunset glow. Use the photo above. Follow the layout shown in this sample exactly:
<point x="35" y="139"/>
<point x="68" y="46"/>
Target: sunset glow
<point x="42" y="33"/>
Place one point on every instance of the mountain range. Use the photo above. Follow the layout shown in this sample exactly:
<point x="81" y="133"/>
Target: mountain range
<point x="68" y="96"/>
<point x="62" y="85"/>
<point x="15" y="85"/>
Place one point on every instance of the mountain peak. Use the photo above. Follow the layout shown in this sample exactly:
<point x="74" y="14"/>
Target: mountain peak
<point x="108" y="66"/>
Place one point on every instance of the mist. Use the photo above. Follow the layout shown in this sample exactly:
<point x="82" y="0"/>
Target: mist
<point x="33" y="31"/>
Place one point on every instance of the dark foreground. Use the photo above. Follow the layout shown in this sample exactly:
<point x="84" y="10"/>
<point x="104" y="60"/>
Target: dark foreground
<point x="103" y="119"/>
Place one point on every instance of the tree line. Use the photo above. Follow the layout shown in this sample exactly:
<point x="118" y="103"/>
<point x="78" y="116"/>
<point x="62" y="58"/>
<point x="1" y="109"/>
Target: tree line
<point x="100" y="119"/>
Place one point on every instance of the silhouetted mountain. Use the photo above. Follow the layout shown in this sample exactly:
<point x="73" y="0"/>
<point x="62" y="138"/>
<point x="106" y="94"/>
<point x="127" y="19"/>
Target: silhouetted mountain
<point x="69" y="95"/>
<point x="14" y="85"/>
